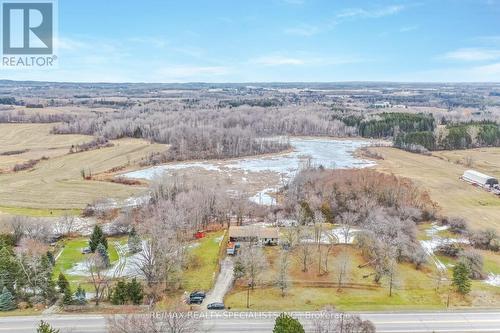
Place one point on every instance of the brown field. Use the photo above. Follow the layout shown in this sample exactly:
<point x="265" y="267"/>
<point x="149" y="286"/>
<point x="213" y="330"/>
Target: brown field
<point x="37" y="139"/>
<point x="57" y="183"/>
<point x="439" y="175"/>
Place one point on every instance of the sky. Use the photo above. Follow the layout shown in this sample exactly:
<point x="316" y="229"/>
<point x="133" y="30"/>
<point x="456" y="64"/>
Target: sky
<point x="274" y="41"/>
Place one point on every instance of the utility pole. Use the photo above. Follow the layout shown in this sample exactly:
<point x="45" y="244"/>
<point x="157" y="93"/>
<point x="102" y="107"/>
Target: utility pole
<point x="248" y="295"/>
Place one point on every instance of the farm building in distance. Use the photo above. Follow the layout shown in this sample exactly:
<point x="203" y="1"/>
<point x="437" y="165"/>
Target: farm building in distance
<point x="263" y="235"/>
<point x="479" y="178"/>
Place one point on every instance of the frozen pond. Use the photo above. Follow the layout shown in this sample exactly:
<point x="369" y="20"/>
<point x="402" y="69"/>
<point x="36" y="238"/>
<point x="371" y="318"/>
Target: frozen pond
<point x="330" y="153"/>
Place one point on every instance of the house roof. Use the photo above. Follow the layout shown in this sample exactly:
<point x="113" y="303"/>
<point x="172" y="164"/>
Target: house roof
<point x="253" y="231"/>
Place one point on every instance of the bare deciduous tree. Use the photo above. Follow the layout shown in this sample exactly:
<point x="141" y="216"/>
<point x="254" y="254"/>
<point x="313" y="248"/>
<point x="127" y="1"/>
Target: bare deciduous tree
<point x="283" y="278"/>
<point x="96" y="267"/>
<point x="342" y="266"/>
<point x="304" y="248"/>
<point x="167" y="322"/>
<point x="335" y="322"/>
<point x="254" y="262"/>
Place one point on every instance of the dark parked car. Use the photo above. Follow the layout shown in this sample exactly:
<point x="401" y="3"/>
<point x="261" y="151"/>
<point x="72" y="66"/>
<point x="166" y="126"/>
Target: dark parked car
<point x="198" y="294"/>
<point x="195" y="300"/>
<point x="216" y="306"/>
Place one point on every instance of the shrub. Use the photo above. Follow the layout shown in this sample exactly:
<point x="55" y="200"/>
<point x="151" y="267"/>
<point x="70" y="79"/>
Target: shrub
<point x="6" y="300"/>
<point x="62" y="283"/>
<point x="45" y="328"/>
<point x="474" y="262"/>
<point x="287" y="324"/>
<point x="457" y="225"/>
<point x="485" y="239"/>
<point x="80" y="296"/>
<point x="449" y="249"/>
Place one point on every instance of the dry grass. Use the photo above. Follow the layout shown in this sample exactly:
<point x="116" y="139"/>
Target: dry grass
<point x="37" y="139"/>
<point x="57" y="183"/>
<point x="439" y="175"/>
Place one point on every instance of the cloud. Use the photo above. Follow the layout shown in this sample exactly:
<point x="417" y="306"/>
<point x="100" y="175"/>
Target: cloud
<point x="294" y="2"/>
<point x="409" y="28"/>
<point x="186" y="72"/>
<point x="157" y="42"/>
<point x="362" y="13"/>
<point x="276" y="60"/>
<point x="488" y="70"/>
<point x="490" y="40"/>
<point x="304" y="30"/>
<point x="472" y="54"/>
<point x="304" y="60"/>
<point x="69" y="44"/>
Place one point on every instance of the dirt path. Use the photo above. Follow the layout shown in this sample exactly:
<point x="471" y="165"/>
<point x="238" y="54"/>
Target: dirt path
<point x="223" y="282"/>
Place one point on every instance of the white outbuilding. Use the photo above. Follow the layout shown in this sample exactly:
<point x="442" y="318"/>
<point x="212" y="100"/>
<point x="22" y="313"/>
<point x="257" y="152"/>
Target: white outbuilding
<point x="478" y="178"/>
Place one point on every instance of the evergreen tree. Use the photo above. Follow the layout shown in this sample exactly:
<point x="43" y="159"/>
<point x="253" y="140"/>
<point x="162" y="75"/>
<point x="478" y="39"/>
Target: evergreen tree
<point x="287" y="324"/>
<point x="134" y="241"/>
<point x="120" y="294"/>
<point x="103" y="253"/>
<point x="46" y="328"/>
<point x="461" y="279"/>
<point x="62" y="283"/>
<point x="9" y="269"/>
<point x="68" y="296"/>
<point x="135" y="292"/>
<point x="51" y="258"/>
<point x="97" y="238"/>
<point x="46" y="282"/>
<point x="80" y="296"/>
<point x="6" y="300"/>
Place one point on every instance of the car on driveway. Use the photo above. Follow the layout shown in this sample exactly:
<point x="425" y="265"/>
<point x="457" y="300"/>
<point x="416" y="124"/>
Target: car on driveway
<point x="198" y="294"/>
<point x="216" y="306"/>
<point x="195" y="300"/>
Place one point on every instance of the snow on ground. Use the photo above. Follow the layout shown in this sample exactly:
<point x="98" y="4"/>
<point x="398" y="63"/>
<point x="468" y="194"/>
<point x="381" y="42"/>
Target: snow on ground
<point x="493" y="279"/>
<point x="430" y="245"/>
<point x="264" y="198"/>
<point x="126" y="266"/>
<point x="334" y="236"/>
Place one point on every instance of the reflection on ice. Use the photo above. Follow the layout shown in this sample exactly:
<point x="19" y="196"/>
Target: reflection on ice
<point x="326" y="152"/>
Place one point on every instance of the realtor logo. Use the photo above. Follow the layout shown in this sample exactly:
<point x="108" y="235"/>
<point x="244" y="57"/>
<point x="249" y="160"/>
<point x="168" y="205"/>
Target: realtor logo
<point x="28" y="33"/>
<point x="27" y="28"/>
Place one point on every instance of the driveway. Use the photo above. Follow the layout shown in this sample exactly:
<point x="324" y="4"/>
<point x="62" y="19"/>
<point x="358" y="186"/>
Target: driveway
<point x="223" y="283"/>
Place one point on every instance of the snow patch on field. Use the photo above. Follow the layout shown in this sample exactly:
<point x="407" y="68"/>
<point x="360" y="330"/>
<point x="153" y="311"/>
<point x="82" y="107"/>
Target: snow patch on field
<point x="493" y="279"/>
<point x="431" y="245"/>
<point x="264" y="198"/>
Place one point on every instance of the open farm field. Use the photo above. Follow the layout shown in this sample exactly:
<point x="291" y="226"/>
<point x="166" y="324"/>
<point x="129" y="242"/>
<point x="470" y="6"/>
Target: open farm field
<point x="439" y="175"/>
<point x="57" y="183"/>
<point x="22" y="142"/>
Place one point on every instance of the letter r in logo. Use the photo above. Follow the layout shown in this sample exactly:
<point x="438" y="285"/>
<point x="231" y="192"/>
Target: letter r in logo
<point x="27" y="28"/>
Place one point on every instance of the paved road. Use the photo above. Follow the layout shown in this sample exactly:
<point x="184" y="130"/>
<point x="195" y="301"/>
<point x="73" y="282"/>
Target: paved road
<point x="439" y="322"/>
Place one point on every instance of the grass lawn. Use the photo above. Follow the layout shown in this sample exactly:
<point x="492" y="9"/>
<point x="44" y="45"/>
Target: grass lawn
<point x="203" y="262"/>
<point x="491" y="262"/>
<point x="308" y="299"/>
<point x="413" y="289"/>
<point x="18" y="312"/>
<point x="38" y="212"/>
<point x="71" y="255"/>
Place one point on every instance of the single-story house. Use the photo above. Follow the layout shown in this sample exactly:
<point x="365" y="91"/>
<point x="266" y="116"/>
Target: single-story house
<point x="257" y="234"/>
